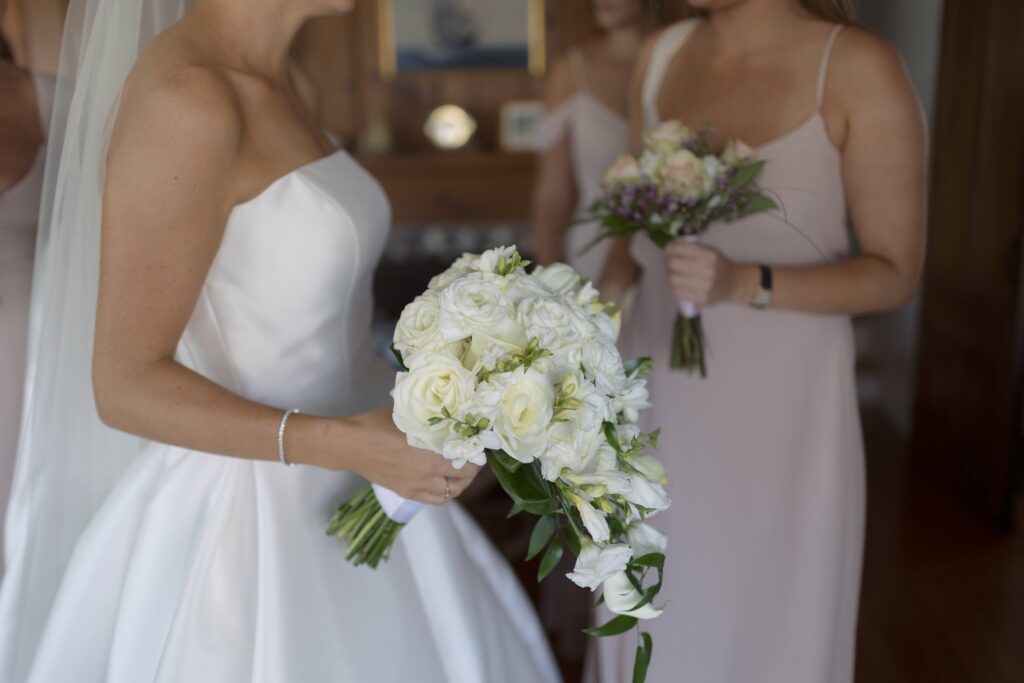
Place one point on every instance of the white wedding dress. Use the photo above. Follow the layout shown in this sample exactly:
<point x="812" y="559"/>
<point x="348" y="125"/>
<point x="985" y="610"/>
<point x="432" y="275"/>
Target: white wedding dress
<point x="207" y="568"/>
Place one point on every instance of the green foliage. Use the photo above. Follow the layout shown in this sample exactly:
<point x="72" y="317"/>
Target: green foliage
<point x="616" y="626"/>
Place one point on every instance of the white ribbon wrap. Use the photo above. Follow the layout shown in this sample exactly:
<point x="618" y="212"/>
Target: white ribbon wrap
<point x="397" y="509"/>
<point x="688" y="309"/>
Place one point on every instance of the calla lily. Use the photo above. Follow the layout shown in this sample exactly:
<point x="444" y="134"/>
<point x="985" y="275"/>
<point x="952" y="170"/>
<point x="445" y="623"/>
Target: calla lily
<point x="620" y="596"/>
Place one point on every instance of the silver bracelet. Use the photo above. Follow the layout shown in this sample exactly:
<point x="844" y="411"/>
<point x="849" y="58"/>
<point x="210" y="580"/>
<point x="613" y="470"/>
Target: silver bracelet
<point x="280" y="436"/>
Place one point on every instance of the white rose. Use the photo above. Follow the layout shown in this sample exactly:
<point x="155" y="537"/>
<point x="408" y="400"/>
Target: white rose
<point x="486" y="348"/>
<point x="625" y="169"/>
<point x="553" y="324"/>
<point x="560" y="278"/>
<point x="461" y="449"/>
<point x="569" y="444"/>
<point x="668" y="136"/>
<point x="462" y="266"/>
<point x="471" y="304"/>
<point x="645" y="539"/>
<point x="620" y="596"/>
<point x="684" y="173"/>
<point x="435" y="382"/>
<point x="417" y="330"/>
<point x="652" y="163"/>
<point x="524" y="412"/>
<point x="597" y="564"/>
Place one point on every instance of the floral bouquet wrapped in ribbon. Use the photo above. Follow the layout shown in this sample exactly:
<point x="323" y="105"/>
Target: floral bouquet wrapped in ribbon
<point x="678" y="188"/>
<point x="520" y="370"/>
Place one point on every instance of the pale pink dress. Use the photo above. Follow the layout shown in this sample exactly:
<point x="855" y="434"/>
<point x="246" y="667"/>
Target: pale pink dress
<point x="765" y="455"/>
<point x="597" y="136"/>
<point x="19" y="214"/>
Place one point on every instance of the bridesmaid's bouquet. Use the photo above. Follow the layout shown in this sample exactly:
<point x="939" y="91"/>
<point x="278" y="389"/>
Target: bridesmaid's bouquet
<point x="520" y="370"/>
<point x="678" y="188"/>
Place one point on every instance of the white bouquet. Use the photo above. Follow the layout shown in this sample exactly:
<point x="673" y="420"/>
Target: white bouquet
<point x="520" y="370"/>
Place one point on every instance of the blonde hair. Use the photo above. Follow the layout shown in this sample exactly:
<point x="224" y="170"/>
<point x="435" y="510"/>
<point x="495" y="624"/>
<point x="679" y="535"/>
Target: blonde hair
<point x="835" y="11"/>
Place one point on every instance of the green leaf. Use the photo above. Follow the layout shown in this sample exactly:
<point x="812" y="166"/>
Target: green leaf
<point x="514" y="510"/>
<point x="398" y="356"/>
<point x="643" y="658"/>
<point x="573" y="539"/>
<point x="747" y="174"/>
<point x="551" y="559"/>
<point x="612" y="436"/>
<point x="655" y="560"/>
<point x="542" y="533"/>
<point x="759" y="203"/>
<point x="619" y="624"/>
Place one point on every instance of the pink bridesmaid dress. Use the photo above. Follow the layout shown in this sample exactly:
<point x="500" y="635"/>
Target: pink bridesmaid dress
<point x="597" y="135"/>
<point x="765" y="456"/>
<point x="19" y="214"/>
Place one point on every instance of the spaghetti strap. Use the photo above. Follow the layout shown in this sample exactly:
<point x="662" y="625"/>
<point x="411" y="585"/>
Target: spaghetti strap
<point x="664" y="49"/>
<point x="823" y="69"/>
<point x="579" y="70"/>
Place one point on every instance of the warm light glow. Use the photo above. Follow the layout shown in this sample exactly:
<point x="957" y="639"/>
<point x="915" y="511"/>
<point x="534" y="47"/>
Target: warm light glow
<point x="449" y="126"/>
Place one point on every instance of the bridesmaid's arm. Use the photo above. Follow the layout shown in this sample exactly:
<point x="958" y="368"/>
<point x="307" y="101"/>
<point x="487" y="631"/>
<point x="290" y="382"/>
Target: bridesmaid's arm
<point x="175" y="171"/>
<point x="620" y="270"/>
<point x="555" y="193"/>
<point x="872" y="111"/>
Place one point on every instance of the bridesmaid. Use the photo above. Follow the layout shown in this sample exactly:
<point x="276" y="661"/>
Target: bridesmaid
<point x="585" y="130"/>
<point x="765" y="455"/>
<point x="24" y="108"/>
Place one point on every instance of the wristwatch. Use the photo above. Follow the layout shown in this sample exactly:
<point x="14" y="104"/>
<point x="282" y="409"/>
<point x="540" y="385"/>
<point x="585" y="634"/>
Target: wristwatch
<point x="763" y="296"/>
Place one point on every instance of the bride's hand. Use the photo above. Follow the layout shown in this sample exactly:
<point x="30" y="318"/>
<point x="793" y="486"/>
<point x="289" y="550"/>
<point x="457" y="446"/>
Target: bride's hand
<point x="378" y="452"/>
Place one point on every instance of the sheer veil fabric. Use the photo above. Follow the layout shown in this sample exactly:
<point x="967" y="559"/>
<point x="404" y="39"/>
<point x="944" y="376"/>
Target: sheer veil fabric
<point x="64" y="474"/>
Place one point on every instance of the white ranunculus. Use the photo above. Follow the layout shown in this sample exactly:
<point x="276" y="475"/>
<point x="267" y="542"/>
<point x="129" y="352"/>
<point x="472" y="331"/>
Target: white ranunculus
<point x="620" y="596"/>
<point x="560" y="278"/>
<point x="645" y="539"/>
<point x="604" y="365"/>
<point x="524" y="412"/>
<point x="462" y="266"/>
<point x="597" y="564"/>
<point x="651" y="467"/>
<point x="417" y="330"/>
<point x="462" y="449"/>
<point x="435" y="382"/>
<point x="472" y="304"/>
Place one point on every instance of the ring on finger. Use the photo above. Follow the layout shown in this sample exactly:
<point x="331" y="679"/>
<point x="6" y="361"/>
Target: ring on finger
<point x="447" y="489"/>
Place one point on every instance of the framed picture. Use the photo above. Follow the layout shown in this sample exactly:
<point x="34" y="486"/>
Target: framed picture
<point x="520" y="123"/>
<point x="447" y="35"/>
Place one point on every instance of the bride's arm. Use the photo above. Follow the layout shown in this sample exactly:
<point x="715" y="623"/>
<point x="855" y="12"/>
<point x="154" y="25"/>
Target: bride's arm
<point x="175" y="170"/>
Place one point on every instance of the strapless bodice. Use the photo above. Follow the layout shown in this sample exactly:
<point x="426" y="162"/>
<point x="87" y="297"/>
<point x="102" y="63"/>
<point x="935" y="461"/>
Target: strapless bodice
<point x="284" y="316"/>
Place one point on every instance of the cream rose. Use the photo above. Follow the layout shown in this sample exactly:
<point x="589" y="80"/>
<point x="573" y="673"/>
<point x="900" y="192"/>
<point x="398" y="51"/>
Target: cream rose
<point x="625" y="169"/>
<point x="560" y="278"/>
<point x="668" y="136"/>
<point x="417" y="330"/>
<point x="684" y="173"/>
<point x="435" y="382"/>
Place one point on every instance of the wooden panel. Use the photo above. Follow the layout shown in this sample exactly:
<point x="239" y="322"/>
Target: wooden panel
<point x="442" y="187"/>
<point x="967" y="422"/>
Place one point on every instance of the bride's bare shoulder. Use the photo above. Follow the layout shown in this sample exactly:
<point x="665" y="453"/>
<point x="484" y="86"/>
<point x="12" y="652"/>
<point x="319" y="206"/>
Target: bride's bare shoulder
<point x="174" y="101"/>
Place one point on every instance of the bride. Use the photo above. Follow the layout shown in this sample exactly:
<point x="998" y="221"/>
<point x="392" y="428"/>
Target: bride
<point x="234" y="272"/>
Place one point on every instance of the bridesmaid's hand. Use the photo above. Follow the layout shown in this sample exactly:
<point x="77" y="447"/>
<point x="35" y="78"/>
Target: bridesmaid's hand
<point x="701" y="274"/>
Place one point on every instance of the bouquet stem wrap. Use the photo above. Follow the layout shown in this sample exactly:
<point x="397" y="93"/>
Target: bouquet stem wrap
<point x="688" y="336"/>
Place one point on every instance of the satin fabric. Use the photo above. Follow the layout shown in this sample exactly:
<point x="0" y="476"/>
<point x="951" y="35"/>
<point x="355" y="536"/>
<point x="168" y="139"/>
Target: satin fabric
<point x="206" y="568"/>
